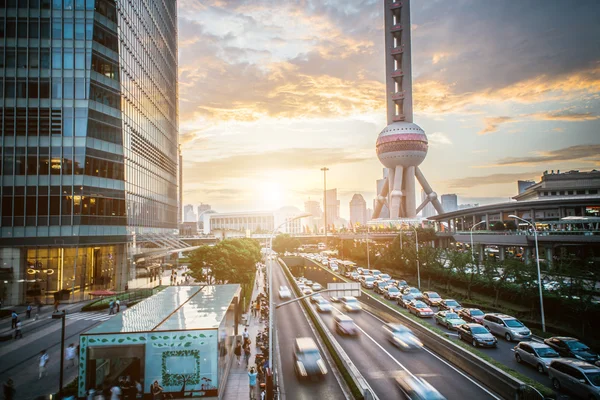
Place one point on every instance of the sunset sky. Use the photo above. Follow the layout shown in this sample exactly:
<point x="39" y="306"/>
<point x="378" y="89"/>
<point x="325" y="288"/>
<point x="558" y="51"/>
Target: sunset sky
<point x="272" y="91"/>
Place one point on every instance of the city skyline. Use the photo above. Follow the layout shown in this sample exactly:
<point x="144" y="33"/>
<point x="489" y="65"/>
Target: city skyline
<point x="286" y="95"/>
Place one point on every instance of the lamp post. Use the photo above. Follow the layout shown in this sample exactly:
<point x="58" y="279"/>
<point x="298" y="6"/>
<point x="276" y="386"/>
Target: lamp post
<point x="270" y="249"/>
<point x="325" y="169"/>
<point x="368" y="252"/>
<point x="539" y="274"/>
<point x="472" y="253"/>
<point x="61" y="316"/>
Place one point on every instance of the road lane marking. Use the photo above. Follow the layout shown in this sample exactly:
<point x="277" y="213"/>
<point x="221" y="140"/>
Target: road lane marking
<point x="448" y="364"/>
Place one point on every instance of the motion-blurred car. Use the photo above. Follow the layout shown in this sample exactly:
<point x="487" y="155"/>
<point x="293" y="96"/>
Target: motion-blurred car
<point x="476" y="335"/>
<point x="345" y="325"/>
<point x="471" y="315"/>
<point x="420" y="309"/>
<point x="351" y="304"/>
<point x="391" y="293"/>
<point x="307" y="358"/>
<point x="571" y="347"/>
<point x="416" y="388"/>
<point x="432" y="298"/>
<point x="306" y="290"/>
<point x="539" y="355"/>
<point x="316" y="287"/>
<point x="449" y="304"/>
<point x="402" y="337"/>
<point x="323" y="305"/>
<point x="449" y="319"/>
<point x="404" y="299"/>
<point x="315" y="297"/>
<point x="284" y="292"/>
<point x="308" y="282"/>
<point x="507" y="326"/>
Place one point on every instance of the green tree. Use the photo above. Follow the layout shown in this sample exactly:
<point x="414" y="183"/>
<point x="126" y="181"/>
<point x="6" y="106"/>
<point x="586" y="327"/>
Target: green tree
<point x="285" y="242"/>
<point x="498" y="226"/>
<point x="496" y="274"/>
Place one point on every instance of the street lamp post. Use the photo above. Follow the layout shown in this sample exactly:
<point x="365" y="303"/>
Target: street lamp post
<point x="325" y="169"/>
<point x="368" y="253"/>
<point x="61" y="316"/>
<point x="472" y="252"/>
<point x="539" y="273"/>
<point x="270" y="286"/>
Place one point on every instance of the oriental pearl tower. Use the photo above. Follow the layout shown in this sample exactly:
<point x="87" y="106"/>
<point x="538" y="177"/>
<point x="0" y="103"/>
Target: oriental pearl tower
<point x="402" y="145"/>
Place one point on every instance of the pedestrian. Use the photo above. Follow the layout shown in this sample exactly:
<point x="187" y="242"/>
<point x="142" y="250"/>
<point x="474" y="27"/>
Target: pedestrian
<point x="247" y="353"/>
<point x="9" y="390"/>
<point x="56" y="303"/>
<point x="257" y="307"/>
<point x="252" y="374"/>
<point x="111" y="307"/>
<point x="245" y="334"/>
<point x="28" y="311"/>
<point x="43" y="361"/>
<point x="115" y="392"/>
<point x="126" y="287"/>
<point x="238" y="353"/>
<point x="157" y="391"/>
<point x="18" y="331"/>
<point x="70" y="353"/>
<point x="14" y="317"/>
<point x="118" y="303"/>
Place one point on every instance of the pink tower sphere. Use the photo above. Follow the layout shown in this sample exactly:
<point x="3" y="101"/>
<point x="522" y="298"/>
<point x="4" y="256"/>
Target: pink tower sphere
<point x="402" y="143"/>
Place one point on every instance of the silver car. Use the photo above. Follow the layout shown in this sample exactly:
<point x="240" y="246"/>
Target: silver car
<point x="507" y="326"/>
<point x="578" y="377"/>
<point x="537" y="354"/>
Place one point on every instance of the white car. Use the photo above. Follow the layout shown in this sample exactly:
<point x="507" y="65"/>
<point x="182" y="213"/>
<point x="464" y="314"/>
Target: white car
<point x="334" y="267"/>
<point x="351" y="304"/>
<point x="284" y="292"/>
<point x="323" y="305"/>
<point x="307" y="290"/>
<point x="316" y="287"/>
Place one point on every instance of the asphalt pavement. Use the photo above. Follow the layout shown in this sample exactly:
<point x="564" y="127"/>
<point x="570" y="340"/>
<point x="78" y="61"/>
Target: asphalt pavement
<point x="291" y="323"/>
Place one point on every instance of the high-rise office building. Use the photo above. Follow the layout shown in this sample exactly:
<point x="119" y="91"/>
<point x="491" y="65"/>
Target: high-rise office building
<point x="188" y="213"/>
<point x="89" y="142"/>
<point x="358" y="210"/>
<point x="333" y="207"/>
<point x="449" y="202"/>
<point x="314" y="223"/>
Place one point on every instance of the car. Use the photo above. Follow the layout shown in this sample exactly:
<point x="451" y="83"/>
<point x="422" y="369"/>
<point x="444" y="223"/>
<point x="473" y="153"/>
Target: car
<point x="401" y="283"/>
<point x="300" y="279"/>
<point x="477" y="335"/>
<point x="367" y="282"/>
<point x="379" y="287"/>
<point x="401" y="336"/>
<point x="432" y="298"/>
<point x="507" y="326"/>
<point x="375" y="272"/>
<point x="307" y="358"/>
<point x="284" y="292"/>
<point x="344" y="325"/>
<point x="308" y="282"/>
<point x="539" y="355"/>
<point x="471" y="315"/>
<point x="334" y="299"/>
<point x="316" y="287"/>
<point x="307" y="290"/>
<point x="354" y="276"/>
<point x="420" y="309"/>
<point x="334" y="267"/>
<point x="414" y="291"/>
<point x="449" y="319"/>
<point x="391" y="292"/>
<point x="323" y="305"/>
<point x="449" y="304"/>
<point x="404" y="299"/>
<point x="351" y="304"/>
<point x="416" y="388"/>
<point x="571" y="347"/>
<point x="315" y="297"/>
<point x="385" y="277"/>
<point x="575" y="376"/>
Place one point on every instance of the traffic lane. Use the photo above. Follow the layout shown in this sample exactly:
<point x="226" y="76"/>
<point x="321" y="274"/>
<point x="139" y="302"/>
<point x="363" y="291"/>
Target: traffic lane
<point x="291" y="323"/>
<point x="448" y="380"/>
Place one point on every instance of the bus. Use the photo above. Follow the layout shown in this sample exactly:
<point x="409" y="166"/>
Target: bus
<point x="321" y="246"/>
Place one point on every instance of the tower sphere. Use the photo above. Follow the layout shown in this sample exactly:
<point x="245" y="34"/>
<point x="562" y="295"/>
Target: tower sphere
<point x="402" y="143"/>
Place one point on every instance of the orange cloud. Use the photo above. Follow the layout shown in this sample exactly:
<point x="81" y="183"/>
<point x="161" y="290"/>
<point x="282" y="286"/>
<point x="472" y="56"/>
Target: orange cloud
<point x="565" y="115"/>
<point x="492" y="124"/>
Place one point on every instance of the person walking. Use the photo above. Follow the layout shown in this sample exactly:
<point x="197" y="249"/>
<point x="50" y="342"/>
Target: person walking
<point x="257" y="307"/>
<point x="18" y="331"/>
<point x="56" y="304"/>
<point x="252" y="374"/>
<point x="14" y="317"/>
<point x="245" y="334"/>
<point x="238" y="353"/>
<point x="111" y="307"/>
<point x="115" y="392"/>
<point x="43" y="361"/>
<point x="247" y="353"/>
<point x="70" y="354"/>
<point x="118" y="304"/>
<point x="28" y="312"/>
<point x="9" y="390"/>
<point x="157" y="391"/>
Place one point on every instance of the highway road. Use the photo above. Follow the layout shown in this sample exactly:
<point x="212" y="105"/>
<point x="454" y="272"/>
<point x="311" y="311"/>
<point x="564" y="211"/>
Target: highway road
<point x="291" y="323"/>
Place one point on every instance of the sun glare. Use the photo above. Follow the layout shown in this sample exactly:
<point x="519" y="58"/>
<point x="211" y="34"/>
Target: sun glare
<point x="271" y="194"/>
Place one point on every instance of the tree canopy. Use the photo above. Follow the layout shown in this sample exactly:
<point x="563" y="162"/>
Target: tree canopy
<point x="285" y="242"/>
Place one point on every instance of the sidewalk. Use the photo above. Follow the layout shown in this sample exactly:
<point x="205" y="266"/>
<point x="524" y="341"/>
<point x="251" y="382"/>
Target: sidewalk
<point x="46" y="312"/>
<point x="237" y="386"/>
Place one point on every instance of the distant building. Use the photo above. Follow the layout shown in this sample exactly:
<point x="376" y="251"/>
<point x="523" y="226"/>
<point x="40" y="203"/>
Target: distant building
<point x="465" y="206"/>
<point x="523" y="185"/>
<point x="249" y="222"/>
<point x="429" y="209"/>
<point x="449" y="202"/>
<point x="333" y="207"/>
<point x="358" y="210"/>
<point x="188" y="213"/>
<point x="369" y="213"/>
<point x="314" y="223"/>
<point x="567" y="185"/>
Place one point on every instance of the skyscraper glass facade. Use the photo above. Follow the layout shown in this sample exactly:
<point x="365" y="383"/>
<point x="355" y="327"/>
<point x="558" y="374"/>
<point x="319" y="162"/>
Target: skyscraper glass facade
<point x="89" y="140"/>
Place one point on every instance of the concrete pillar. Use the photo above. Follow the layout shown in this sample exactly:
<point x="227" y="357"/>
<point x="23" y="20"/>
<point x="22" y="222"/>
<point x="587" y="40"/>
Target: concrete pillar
<point x="549" y="254"/>
<point x="409" y="192"/>
<point x="502" y="250"/>
<point x="487" y="222"/>
<point x="396" y="191"/>
<point x="527" y="255"/>
<point x="481" y="249"/>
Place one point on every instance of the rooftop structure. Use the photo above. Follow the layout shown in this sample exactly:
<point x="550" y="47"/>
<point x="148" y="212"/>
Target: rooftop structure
<point x="563" y="185"/>
<point x="254" y="221"/>
<point x="402" y="145"/>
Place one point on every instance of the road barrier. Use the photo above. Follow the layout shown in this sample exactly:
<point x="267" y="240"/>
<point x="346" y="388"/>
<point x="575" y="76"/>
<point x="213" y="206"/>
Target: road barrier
<point x="500" y="382"/>
<point x="343" y="362"/>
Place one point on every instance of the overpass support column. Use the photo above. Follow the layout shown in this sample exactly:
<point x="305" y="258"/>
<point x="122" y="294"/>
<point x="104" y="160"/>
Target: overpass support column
<point x="527" y="255"/>
<point x="481" y="249"/>
<point x="502" y="249"/>
<point x="549" y="255"/>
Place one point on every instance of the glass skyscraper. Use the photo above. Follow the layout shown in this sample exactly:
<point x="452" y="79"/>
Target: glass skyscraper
<point x="89" y="121"/>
